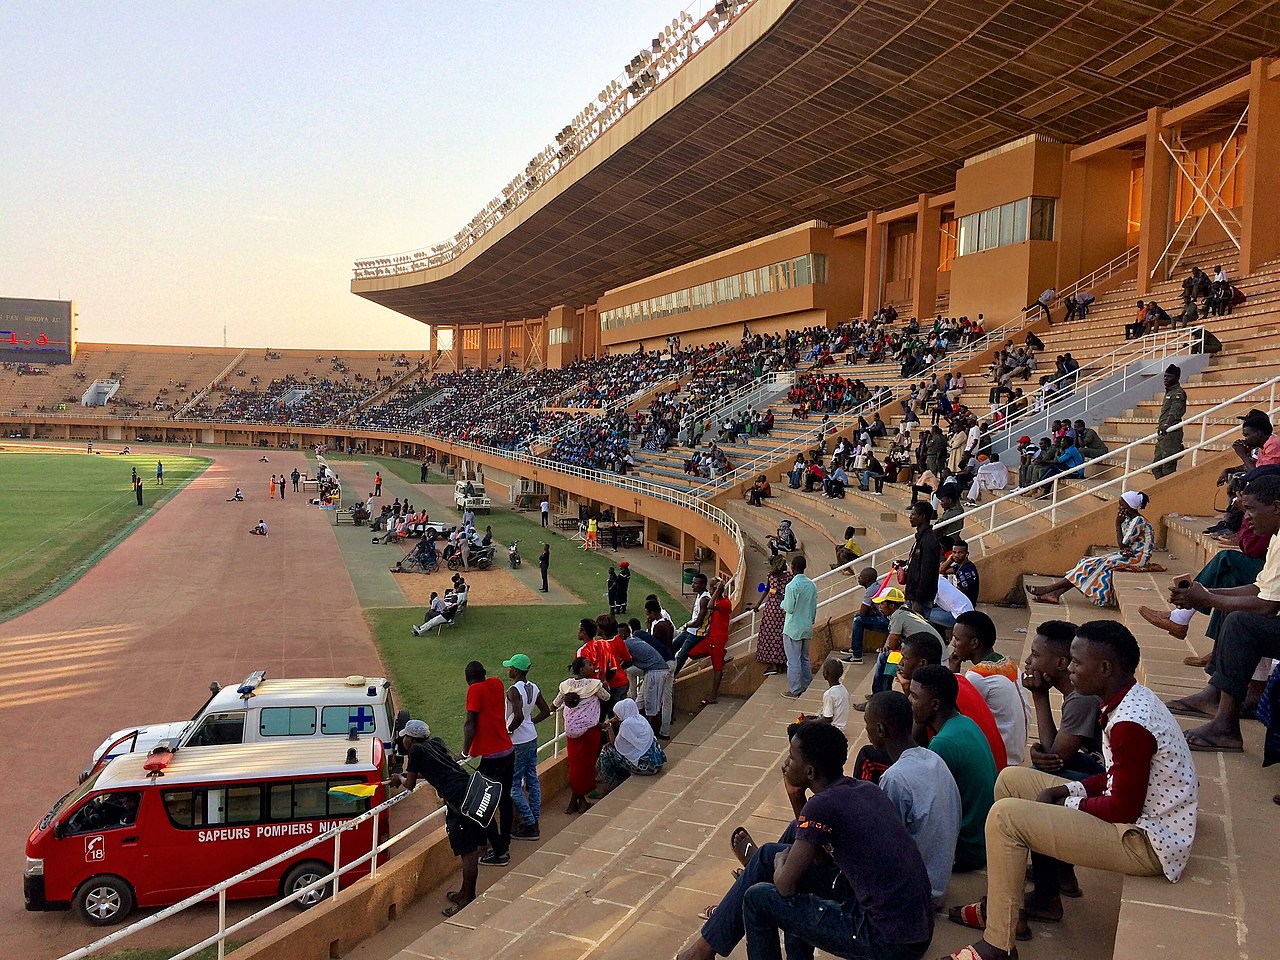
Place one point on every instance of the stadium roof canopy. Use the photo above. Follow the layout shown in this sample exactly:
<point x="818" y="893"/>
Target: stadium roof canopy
<point x="825" y="109"/>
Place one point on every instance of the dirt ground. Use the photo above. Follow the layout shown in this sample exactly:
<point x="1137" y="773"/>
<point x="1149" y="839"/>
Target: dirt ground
<point x="496" y="586"/>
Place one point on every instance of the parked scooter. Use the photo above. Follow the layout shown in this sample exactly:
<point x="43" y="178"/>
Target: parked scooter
<point x="513" y="554"/>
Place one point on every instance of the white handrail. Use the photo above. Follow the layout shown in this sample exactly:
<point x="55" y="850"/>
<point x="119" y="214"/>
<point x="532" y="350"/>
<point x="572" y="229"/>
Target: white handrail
<point x="220" y="889"/>
<point x="1067" y="388"/>
<point x="749" y="393"/>
<point x="831" y="590"/>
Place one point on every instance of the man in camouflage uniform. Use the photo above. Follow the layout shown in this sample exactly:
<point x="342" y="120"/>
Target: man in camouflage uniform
<point x="1172" y="412"/>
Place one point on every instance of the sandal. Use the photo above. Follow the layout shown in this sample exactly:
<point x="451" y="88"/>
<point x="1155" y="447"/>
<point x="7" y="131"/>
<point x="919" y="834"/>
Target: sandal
<point x="707" y="703"/>
<point x="706" y="914"/>
<point x="743" y="847"/>
<point x="969" y="953"/>
<point x="974" y="916"/>
<point x="1200" y="744"/>
<point x="1045" y="598"/>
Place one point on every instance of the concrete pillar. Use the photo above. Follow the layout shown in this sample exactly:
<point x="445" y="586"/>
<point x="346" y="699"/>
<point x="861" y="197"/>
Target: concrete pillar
<point x="1259" y="239"/>
<point x="1157" y="197"/>
<point x="924" y="301"/>
<point x="873" y="266"/>
<point x="484" y="346"/>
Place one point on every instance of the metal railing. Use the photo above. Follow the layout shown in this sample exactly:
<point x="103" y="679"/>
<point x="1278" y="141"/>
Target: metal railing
<point x="699" y="23"/>
<point x="750" y="394"/>
<point x="334" y="835"/>
<point x="1097" y="381"/>
<point x="834" y="585"/>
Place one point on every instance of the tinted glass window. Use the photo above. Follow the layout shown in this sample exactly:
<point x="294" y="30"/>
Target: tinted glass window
<point x="294" y="721"/>
<point x="106" y="811"/>
<point x="218" y="728"/>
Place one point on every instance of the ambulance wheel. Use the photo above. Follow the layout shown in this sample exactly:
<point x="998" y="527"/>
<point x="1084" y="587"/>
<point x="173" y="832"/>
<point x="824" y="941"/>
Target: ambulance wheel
<point x="305" y="874"/>
<point x="104" y="900"/>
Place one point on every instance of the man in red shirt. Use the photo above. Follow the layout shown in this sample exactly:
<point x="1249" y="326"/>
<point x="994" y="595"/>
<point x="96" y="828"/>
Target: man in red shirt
<point x="484" y="735"/>
<point x="599" y="649"/>
<point x="611" y="636"/>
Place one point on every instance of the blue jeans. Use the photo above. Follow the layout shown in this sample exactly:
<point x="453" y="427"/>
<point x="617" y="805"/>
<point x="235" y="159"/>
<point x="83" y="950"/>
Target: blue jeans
<point x="525" y="780"/>
<point x="809" y="921"/>
<point x="879" y="681"/>
<point x="682" y="644"/>
<point x="799" y="671"/>
<point x="862" y="624"/>
<point x="941" y="619"/>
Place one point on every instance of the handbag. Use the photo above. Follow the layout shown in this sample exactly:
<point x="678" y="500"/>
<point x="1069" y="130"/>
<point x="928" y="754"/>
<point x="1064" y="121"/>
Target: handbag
<point x="481" y="800"/>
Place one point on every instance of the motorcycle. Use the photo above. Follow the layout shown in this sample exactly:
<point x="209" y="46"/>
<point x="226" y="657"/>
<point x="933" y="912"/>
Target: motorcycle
<point x="481" y="558"/>
<point x="513" y="554"/>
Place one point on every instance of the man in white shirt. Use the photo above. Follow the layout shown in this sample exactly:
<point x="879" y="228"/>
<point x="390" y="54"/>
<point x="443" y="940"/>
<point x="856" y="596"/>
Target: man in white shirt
<point x="545" y="509"/>
<point x="992" y="475"/>
<point x="948" y="604"/>
<point x="973" y="639"/>
<point x="973" y="438"/>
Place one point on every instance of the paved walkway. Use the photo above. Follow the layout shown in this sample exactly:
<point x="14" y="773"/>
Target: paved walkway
<point x="190" y="597"/>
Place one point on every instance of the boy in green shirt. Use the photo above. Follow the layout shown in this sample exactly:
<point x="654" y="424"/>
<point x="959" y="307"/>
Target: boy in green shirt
<point x="963" y="747"/>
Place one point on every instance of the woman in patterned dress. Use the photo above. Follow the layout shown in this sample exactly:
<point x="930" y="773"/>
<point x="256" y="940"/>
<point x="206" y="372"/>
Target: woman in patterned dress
<point x="1092" y="576"/>
<point x="769" y="650"/>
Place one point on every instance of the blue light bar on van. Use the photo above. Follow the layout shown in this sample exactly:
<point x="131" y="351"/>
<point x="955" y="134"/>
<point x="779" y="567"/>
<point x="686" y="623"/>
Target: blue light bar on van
<point x="251" y="683"/>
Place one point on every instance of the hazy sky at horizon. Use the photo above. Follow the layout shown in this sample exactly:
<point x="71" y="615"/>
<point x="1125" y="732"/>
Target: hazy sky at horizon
<point x="175" y="167"/>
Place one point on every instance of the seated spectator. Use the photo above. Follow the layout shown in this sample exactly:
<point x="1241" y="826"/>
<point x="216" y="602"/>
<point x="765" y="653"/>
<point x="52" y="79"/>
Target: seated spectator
<point x="1074" y="749"/>
<point x="849" y="550"/>
<point x="439" y="613"/>
<point x="870" y="891"/>
<point x="784" y="541"/>
<point x="868" y="616"/>
<point x="903" y="622"/>
<point x="833" y="486"/>
<point x="632" y="748"/>
<point x="760" y="490"/>
<point x="1092" y="576"/>
<point x="990" y="475"/>
<point x="995" y="676"/>
<point x="950" y="523"/>
<point x="960" y="570"/>
<point x="963" y="748"/>
<point x="872" y="473"/>
<point x="919" y="784"/>
<point x="1138" y="818"/>
<point x="259" y="529"/>
<point x="1250" y="630"/>
<point x="1090" y="445"/>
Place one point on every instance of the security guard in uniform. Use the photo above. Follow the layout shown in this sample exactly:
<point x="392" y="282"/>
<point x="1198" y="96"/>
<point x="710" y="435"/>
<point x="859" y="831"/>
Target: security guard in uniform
<point x="1172" y="412"/>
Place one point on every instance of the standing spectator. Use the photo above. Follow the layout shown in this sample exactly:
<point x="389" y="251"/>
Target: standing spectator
<point x="544" y="508"/>
<point x="1169" y="429"/>
<point x="377" y="483"/>
<point x="647" y="672"/>
<point x="1043" y="302"/>
<point x="273" y="486"/>
<point x="800" y="604"/>
<point x="430" y="760"/>
<point x="295" y="477"/>
<point x="484" y="735"/>
<point x="282" y="486"/>
<point x="159" y="473"/>
<point x="769" y="650"/>
<point x="526" y="790"/>
<point x="544" y="563"/>
<point x="422" y="472"/>
<point x="580" y="698"/>
<point x="920" y="583"/>
<point x="621" y="586"/>
<point x="137" y="490"/>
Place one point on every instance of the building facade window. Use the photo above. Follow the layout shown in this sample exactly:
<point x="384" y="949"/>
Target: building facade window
<point x="471" y="338"/>
<point x="1032" y="218"/>
<point x="560" y="335"/>
<point x="798" y="272"/>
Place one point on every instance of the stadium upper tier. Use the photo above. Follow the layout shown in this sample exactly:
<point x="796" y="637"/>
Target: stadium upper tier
<point x="818" y="109"/>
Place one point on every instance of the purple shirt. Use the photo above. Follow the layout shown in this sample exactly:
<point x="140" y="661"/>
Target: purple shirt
<point x="859" y="827"/>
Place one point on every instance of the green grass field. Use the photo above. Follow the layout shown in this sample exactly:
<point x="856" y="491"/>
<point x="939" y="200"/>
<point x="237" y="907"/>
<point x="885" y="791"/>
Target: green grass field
<point x="65" y="509"/>
<point x="428" y="671"/>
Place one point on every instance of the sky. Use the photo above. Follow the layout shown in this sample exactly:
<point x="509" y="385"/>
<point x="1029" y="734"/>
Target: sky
<point x="180" y="169"/>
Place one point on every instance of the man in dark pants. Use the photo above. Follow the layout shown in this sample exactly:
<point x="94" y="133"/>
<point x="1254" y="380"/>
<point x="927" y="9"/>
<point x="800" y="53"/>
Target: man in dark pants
<point x="484" y="735"/>
<point x="422" y="473"/>
<point x="295" y="477"/>
<point x="921" y="584"/>
<point x="430" y="760"/>
<point x="795" y="891"/>
<point x="544" y="561"/>
<point x="1169" y="428"/>
<point x="137" y="489"/>
<point x="1250" y="631"/>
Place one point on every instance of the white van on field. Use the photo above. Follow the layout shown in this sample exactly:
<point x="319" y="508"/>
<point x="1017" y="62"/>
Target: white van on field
<point x="269" y="711"/>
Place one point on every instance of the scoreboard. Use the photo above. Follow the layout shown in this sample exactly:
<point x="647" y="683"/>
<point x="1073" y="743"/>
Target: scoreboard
<point x="37" y="331"/>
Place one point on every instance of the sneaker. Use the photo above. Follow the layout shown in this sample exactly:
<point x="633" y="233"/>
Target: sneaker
<point x="494" y="860"/>
<point x="527" y="832"/>
<point x="850" y="658"/>
<point x="417" y="632"/>
<point x="791" y="696"/>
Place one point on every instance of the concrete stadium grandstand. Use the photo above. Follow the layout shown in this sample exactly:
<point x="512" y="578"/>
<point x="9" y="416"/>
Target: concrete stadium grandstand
<point x="814" y="263"/>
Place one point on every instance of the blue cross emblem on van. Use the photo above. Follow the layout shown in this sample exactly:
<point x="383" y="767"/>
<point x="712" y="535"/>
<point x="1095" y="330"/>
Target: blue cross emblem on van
<point x="361" y="719"/>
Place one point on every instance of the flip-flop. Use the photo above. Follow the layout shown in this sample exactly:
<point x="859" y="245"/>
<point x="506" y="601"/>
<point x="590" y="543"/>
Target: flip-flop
<point x="748" y="847"/>
<point x="707" y="703"/>
<point x="968" y="953"/>
<point x="971" y="915"/>
<point x="706" y="914"/>
<point x="1186" y="711"/>
<point x="1201" y="745"/>
<point x="1038" y="598"/>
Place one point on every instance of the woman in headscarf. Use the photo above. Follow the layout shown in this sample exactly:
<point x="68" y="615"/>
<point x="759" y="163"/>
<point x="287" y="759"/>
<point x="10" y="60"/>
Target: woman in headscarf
<point x="1092" y="575"/>
<point x="632" y="748"/>
<point x="580" y="699"/>
<point x="769" y="650"/>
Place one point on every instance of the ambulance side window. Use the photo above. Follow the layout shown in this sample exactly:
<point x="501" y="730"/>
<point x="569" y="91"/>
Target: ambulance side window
<point x="106" y="811"/>
<point x="287" y="722"/>
<point x="218" y="728"/>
